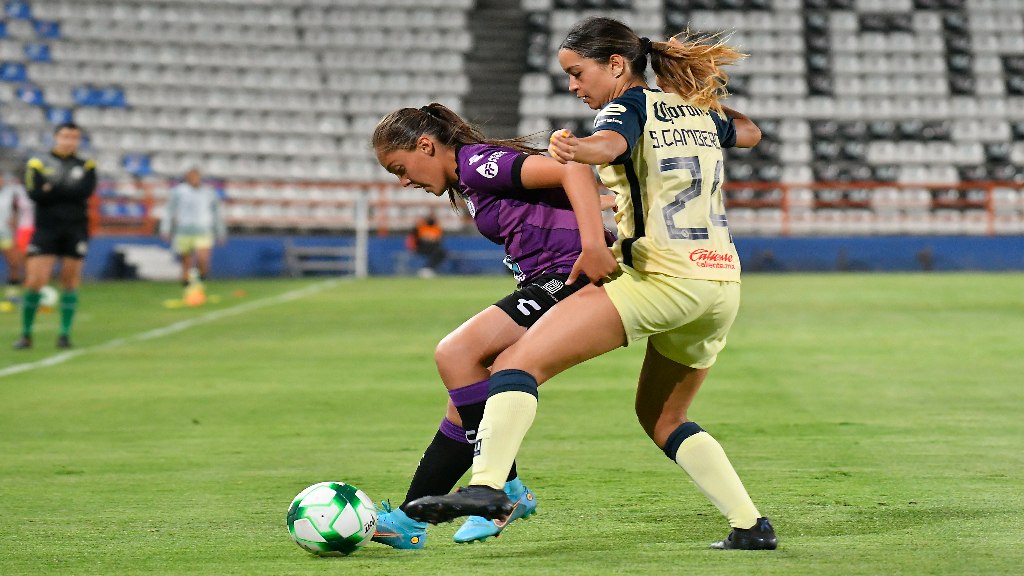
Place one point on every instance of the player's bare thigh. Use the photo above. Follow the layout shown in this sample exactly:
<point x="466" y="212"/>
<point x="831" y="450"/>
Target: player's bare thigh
<point x="71" y="273"/>
<point x="203" y="259"/>
<point x="577" y="329"/>
<point x="11" y="257"/>
<point x="38" y="269"/>
<point x="464" y="354"/>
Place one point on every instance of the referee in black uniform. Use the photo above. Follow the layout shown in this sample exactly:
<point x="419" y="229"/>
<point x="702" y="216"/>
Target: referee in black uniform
<point x="60" y="184"/>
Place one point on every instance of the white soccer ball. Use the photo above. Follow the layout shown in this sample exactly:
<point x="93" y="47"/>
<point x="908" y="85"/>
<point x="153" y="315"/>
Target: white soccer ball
<point x="48" y="297"/>
<point x="332" y="519"/>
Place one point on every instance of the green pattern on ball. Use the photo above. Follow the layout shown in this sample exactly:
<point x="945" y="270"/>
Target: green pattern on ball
<point x="312" y="505"/>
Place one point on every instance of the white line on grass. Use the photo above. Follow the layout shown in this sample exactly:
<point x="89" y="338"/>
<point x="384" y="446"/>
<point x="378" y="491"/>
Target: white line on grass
<point x="171" y="329"/>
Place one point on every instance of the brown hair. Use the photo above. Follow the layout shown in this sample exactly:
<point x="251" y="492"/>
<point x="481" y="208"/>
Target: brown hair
<point x="400" y="129"/>
<point x="691" y="65"/>
<point x="687" y="64"/>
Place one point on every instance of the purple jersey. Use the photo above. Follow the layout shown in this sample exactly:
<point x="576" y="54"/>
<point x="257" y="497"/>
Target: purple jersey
<point x="537" y="227"/>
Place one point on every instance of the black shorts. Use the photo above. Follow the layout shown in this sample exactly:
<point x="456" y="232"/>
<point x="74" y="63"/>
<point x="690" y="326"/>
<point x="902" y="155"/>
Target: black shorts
<point x="532" y="300"/>
<point x="66" y="241"/>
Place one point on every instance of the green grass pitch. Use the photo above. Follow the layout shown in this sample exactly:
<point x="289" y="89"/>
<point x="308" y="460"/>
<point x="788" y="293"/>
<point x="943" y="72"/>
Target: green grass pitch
<point x="878" y="419"/>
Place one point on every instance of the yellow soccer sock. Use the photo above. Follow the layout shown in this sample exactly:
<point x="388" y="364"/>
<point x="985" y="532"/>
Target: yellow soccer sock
<point x="508" y="415"/>
<point x="702" y="457"/>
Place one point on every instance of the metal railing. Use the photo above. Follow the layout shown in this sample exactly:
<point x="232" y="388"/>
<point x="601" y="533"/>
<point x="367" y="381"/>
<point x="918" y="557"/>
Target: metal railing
<point x="768" y="208"/>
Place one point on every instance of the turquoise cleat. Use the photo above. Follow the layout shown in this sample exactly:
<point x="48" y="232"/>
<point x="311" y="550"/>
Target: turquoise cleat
<point x="397" y="530"/>
<point x="478" y="528"/>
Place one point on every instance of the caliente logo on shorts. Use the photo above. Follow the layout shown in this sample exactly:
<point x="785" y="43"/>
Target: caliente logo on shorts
<point x="705" y="258"/>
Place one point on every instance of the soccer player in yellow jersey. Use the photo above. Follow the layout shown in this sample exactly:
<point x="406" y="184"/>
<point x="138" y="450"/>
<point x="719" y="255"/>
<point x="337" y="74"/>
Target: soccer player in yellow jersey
<point x="678" y="285"/>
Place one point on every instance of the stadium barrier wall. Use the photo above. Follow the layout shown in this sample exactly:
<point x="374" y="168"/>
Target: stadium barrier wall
<point x="266" y="214"/>
<point x="755" y="208"/>
<point x="264" y="256"/>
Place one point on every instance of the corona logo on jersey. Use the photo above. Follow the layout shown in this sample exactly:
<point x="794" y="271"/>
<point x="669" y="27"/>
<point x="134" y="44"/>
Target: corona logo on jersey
<point x="665" y="113"/>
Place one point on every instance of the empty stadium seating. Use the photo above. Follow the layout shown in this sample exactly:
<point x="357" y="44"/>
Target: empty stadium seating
<point x="910" y="101"/>
<point x="911" y="112"/>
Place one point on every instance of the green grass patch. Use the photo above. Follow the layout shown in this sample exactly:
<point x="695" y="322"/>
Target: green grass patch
<point x="875" y="418"/>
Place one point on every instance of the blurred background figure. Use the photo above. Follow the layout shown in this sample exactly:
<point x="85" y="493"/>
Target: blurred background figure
<point x="193" y="222"/>
<point x="14" y="207"/>
<point x="427" y="240"/>
<point x="60" y="184"/>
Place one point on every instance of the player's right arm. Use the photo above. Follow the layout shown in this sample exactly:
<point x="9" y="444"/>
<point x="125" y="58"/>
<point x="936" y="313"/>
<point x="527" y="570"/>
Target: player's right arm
<point x="170" y="209"/>
<point x="599" y="148"/>
<point x="36" y="184"/>
<point x="617" y="128"/>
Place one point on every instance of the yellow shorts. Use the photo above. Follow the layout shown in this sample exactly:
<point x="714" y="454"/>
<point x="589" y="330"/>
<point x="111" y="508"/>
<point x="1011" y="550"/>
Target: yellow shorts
<point x="6" y="240"/>
<point x="686" y="320"/>
<point x="183" y="243"/>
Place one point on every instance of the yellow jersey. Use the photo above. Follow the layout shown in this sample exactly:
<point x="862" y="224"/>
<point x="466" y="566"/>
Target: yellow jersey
<point x="671" y="214"/>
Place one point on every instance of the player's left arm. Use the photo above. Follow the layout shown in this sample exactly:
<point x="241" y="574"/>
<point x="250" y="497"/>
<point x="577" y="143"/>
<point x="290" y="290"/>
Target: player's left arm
<point x="596" y="260"/>
<point x="746" y="133"/>
<point x="608" y="202"/>
<point x="219" y="226"/>
<point x="11" y="199"/>
<point x="167" y="223"/>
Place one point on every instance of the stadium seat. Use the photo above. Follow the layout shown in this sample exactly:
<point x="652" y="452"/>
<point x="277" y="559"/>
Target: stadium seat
<point x="903" y="91"/>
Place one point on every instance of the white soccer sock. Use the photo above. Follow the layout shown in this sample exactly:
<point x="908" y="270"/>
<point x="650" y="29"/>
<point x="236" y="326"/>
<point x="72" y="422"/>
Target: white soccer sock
<point x="507" y="418"/>
<point x="703" y="458"/>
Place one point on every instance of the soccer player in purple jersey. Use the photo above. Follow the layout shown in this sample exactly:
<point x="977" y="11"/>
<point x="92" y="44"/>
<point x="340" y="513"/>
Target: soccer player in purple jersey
<point x="538" y="209"/>
<point x="679" y="286"/>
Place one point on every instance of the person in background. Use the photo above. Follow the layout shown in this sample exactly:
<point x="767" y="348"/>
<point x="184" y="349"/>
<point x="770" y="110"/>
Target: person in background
<point x="426" y="241"/>
<point x="59" y="184"/>
<point x="14" y="204"/>
<point x="192" y="223"/>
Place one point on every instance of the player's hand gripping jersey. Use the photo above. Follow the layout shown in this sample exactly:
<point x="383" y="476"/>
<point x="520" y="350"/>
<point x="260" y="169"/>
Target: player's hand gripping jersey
<point x="671" y="214"/>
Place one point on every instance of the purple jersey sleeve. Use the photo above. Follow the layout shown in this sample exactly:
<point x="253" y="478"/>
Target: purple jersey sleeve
<point x="491" y="168"/>
<point x="536" y="226"/>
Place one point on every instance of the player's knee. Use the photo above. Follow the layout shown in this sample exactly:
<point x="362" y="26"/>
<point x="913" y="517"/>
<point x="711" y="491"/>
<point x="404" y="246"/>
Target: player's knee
<point x="646" y="422"/>
<point x="453" y="352"/>
<point x="660" y="426"/>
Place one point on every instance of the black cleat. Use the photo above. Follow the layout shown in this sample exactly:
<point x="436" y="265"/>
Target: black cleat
<point x="63" y="342"/>
<point x="483" y="501"/>
<point x="760" y="536"/>
<point x="23" y="343"/>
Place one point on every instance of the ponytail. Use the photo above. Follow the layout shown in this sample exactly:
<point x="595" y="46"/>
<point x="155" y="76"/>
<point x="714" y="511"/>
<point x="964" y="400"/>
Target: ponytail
<point x="691" y="66"/>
